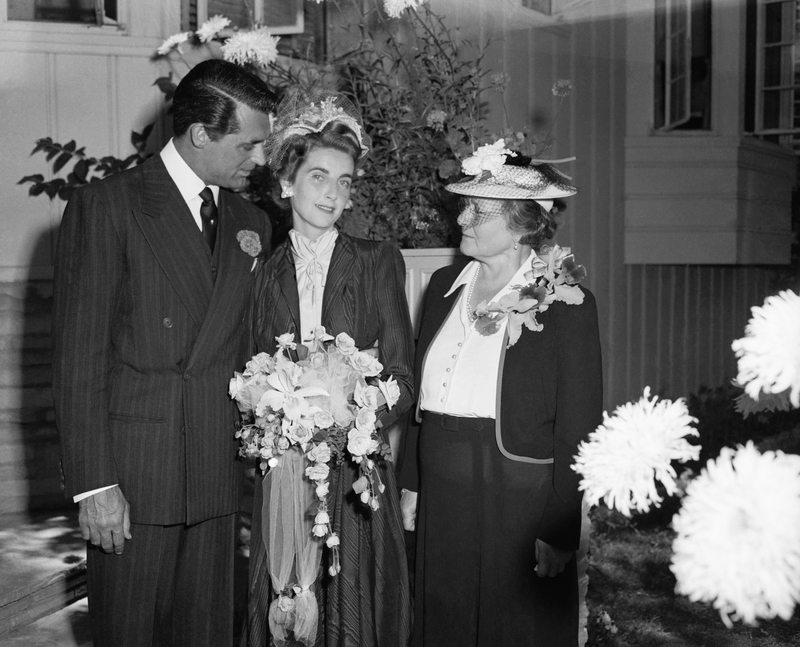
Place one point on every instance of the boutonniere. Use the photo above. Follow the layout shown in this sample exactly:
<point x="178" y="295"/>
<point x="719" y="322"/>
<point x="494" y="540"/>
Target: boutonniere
<point x="250" y="243"/>
<point x="554" y="276"/>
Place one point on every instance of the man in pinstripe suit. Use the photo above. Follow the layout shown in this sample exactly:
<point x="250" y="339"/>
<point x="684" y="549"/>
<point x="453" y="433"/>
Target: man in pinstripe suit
<point x="151" y="318"/>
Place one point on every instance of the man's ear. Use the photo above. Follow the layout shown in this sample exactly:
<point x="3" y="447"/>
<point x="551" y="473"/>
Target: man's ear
<point x="199" y="135"/>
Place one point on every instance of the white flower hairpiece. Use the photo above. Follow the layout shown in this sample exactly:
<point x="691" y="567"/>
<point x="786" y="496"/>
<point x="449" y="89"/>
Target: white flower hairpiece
<point x="632" y="449"/>
<point x="394" y="8"/>
<point x="738" y="535"/>
<point x="318" y="115"/>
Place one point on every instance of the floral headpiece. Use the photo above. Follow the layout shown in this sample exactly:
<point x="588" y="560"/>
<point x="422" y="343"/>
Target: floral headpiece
<point x="302" y="112"/>
<point x="499" y="173"/>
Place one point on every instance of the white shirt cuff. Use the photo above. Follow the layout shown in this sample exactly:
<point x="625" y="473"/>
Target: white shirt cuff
<point x="86" y="495"/>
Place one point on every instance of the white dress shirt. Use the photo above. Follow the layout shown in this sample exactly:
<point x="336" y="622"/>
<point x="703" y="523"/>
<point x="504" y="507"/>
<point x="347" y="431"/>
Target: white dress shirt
<point x="190" y="185"/>
<point x="459" y="376"/>
<point x="312" y="259"/>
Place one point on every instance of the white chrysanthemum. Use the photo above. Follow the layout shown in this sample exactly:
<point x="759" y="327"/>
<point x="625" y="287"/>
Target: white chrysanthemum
<point x="210" y="28"/>
<point x="738" y="535"/>
<point x="173" y="42"/>
<point x="394" y="8"/>
<point x="625" y="456"/>
<point x="769" y="353"/>
<point x="257" y="47"/>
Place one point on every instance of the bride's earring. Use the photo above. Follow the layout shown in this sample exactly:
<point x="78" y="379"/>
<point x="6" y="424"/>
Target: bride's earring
<point x="516" y="243"/>
<point x="286" y="192"/>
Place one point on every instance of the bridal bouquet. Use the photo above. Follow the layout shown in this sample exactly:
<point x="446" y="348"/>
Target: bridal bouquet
<point x="322" y="401"/>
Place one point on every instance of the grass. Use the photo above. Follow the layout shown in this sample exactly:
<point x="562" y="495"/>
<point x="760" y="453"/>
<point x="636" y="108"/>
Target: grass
<point x="630" y="580"/>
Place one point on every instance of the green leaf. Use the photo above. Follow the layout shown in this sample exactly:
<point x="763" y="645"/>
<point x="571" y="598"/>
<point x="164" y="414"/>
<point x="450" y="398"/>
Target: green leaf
<point x="61" y="161"/>
<point x="32" y="178"/>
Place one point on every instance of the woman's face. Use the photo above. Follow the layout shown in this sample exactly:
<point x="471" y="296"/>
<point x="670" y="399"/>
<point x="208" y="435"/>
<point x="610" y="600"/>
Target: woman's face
<point x="487" y="239"/>
<point x="320" y="191"/>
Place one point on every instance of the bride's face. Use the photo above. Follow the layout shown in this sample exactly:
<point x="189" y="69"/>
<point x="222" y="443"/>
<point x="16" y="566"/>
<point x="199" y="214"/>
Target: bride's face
<point x="320" y="191"/>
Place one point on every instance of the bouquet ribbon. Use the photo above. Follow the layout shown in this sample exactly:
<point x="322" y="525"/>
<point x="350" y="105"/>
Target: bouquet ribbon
<point x="292" y="550"/>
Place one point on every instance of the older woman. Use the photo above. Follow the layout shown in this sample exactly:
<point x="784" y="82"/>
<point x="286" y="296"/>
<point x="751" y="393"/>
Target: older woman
<point x="321" y="277"/>
<point x="509" y="375"/>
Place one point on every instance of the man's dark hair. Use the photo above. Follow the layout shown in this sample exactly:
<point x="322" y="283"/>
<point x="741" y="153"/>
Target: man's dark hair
<point x="210" y="93"/>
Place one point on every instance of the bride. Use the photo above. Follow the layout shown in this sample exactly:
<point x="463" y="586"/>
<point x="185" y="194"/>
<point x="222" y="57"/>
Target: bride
<point x="320" y="276"/>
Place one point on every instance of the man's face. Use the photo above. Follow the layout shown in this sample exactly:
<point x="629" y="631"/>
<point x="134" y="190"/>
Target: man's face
<point x="229" y="160"/>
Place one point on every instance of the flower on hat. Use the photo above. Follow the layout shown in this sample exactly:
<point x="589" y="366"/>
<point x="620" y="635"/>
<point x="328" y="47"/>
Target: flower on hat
<point x="632" y="449"/>
<point x="769" y="353"/>
<point x="489" y="157"/>
<point x="738" y="535"/>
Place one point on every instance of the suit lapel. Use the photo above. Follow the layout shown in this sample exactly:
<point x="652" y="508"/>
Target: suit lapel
<point x="170" y="230"/>
<point x="233" y="276"/>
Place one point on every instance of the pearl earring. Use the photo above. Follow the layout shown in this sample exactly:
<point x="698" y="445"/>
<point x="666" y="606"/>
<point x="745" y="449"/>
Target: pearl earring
<point x="286" y="192"/>
<point x="516" y="243"/>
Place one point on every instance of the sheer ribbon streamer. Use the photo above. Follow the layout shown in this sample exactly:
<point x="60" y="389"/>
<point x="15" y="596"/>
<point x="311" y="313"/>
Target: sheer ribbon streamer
<point x="293" y="553"/>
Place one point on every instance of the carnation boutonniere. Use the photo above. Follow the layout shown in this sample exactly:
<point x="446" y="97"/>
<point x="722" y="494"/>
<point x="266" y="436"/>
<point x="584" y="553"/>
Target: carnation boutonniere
<point x="250" y="243"/>
<point x="554" y="276"/>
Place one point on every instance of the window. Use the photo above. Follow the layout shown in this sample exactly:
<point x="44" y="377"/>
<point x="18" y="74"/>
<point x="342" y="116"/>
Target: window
<point x="682" y="65"/>
<point x="777" y="72"/>
<point x="97" y="12"/>
<point x="281" y="16"/>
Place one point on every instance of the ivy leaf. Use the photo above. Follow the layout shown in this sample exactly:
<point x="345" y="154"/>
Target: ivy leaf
<point x="80" y="170"/>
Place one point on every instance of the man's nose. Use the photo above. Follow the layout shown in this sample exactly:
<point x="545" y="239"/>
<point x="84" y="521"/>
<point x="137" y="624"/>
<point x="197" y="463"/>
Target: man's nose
<point x="260" y="154"/>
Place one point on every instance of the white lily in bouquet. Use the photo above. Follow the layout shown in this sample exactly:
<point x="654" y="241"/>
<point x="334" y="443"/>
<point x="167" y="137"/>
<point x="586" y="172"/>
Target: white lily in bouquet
<point x="323" y="400"/>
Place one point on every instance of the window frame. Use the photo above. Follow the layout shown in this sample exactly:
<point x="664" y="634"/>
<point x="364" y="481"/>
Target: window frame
<point x="786" y="134"/>
<point x="671" y="35"/>
<point x="258" y="11"/>
<point x="108" y="27"/>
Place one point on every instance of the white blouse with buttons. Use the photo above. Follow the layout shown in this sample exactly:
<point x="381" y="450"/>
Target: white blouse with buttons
<point x="459" y="377"/>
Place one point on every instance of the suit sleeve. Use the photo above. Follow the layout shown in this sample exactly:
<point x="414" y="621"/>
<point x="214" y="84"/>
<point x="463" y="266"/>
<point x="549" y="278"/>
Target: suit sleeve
<point x="396" y="336"/>
<point x="88" y="276"/>
<point x="579" y="405"/>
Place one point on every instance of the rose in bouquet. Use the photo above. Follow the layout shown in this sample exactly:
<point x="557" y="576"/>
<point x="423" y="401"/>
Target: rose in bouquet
<point x="322" y="400"/>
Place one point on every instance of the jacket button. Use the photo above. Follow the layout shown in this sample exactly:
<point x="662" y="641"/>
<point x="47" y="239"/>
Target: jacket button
<point x="185" y="377"/>
<point x="167" y="322"/>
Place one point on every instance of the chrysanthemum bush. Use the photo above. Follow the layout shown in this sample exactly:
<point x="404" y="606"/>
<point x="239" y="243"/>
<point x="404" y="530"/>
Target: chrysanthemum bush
<point x="737" y="543"/>
<point x="423" y="96"/>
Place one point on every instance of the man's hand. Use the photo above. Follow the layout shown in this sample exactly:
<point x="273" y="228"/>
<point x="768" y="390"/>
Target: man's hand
<point x="104" y="519"/>
<point x="408" y="509"/>
<point x="551" y="560"/>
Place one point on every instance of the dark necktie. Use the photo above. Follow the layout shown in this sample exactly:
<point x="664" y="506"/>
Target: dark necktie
<point x="209" y="216"/>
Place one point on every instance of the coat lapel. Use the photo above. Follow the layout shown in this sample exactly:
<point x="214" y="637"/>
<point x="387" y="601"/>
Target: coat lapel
<point x="341" y="271"/>
<point x="176" y="241"/>
<point x="287" y="284"/>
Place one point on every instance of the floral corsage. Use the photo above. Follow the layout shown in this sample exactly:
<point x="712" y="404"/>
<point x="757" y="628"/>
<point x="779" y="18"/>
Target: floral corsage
<point x="250" y="242"/>
<point x="553" y="276"/>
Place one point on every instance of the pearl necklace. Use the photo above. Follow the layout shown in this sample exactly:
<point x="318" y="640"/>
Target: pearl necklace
<point x="471" y="313"/>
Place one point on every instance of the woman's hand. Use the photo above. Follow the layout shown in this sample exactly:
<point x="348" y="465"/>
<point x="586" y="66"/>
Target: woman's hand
<point x="551" y="560"/>
<point x="408" y="509"/>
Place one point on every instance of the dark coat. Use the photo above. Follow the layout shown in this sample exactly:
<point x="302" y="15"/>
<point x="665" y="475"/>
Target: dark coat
<point x="148" y="329"/>
<point x="550" y="394"/>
